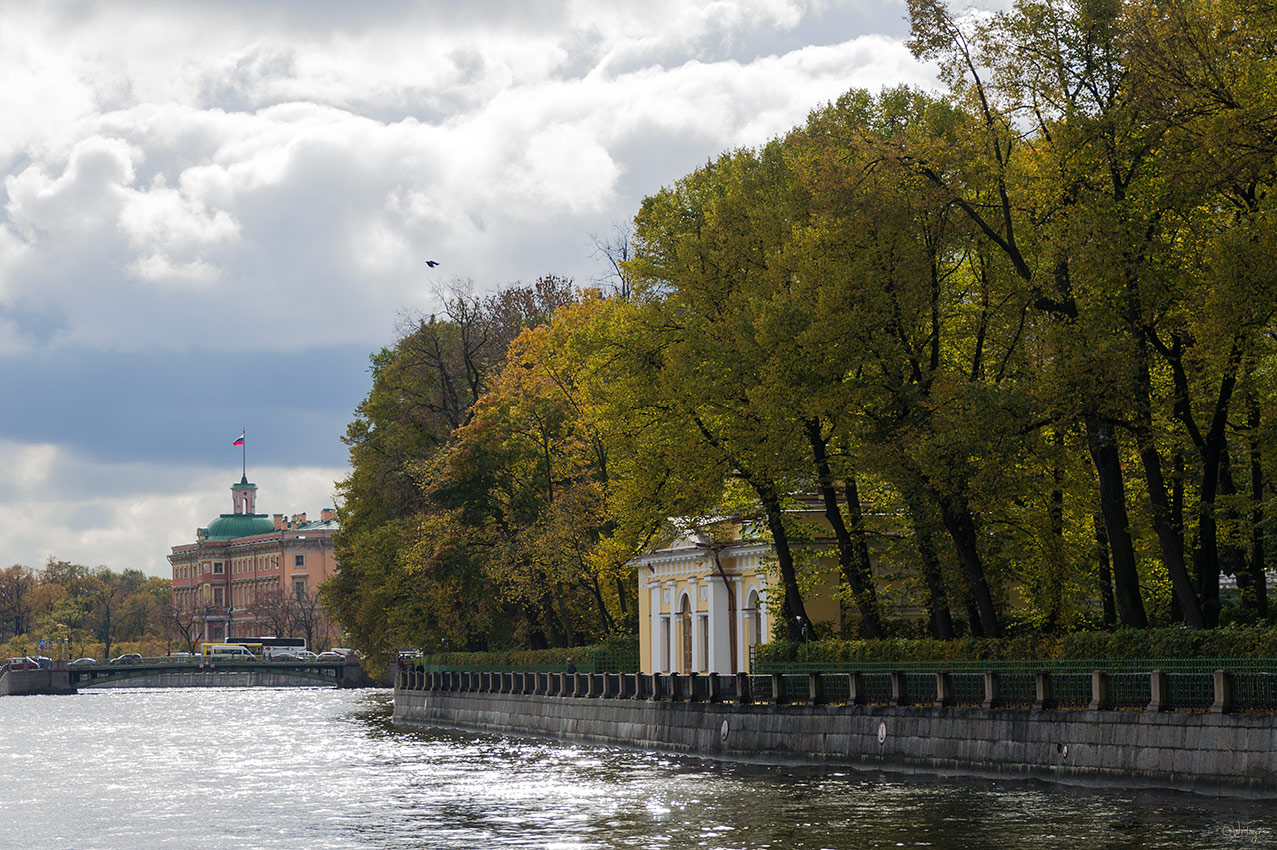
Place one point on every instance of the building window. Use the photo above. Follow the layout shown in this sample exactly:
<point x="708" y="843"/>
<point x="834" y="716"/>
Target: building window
<point x="299" y="588"/>
<point x="299" y="561"/>
<point x="218" y="567"/>
<point x="218" y="597"/>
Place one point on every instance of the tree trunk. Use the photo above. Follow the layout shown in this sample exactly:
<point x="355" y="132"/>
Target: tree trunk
<point x="731" y="610"/>
<point x="1232" y="555"/>
<point x="1169" y="538"/>
<point x="860" y="546"/>
<point x="1259" y="579"/>
<point x="939" y="618"/>
<point x="1108" y="469"/>
<point x="1207" y="553"/>
<point x="1105" y="574"/>
<point x="605" y="618"/>
<point x="853" y="560"/>
<point x="794" y="611"/>
<point x="961" y="527"/>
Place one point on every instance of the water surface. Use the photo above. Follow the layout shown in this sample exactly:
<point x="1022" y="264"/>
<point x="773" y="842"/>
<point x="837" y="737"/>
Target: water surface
<point x="288" y="768"/>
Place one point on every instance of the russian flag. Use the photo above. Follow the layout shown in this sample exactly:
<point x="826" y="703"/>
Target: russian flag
<point x="239" y="441"/>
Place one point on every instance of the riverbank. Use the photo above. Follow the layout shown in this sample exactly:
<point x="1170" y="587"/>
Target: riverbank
<point x="1206" y="752"/>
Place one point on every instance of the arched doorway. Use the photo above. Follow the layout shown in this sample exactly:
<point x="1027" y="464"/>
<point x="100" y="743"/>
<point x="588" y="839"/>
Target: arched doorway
<point x="753" y="621"/>
<point x="685" y="633"/>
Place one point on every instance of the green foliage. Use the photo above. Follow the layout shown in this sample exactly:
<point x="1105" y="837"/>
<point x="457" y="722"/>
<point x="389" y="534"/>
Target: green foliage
<point x="476" y="506"/>
<point x="82" y="611"/>
<point x="1031" y="319"/>
<point x="617" y="655"/>
<point x="1139" y="644"/>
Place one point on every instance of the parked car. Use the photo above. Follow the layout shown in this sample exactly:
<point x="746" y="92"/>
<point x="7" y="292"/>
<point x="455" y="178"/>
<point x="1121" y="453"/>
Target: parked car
<point x="84" y="662"/>
<point x="24" y="663"/>
<point x="127" y="658"/>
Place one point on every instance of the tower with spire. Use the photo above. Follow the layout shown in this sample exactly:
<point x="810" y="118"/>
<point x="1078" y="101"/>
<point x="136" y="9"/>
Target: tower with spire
<point x="244" y="496"/>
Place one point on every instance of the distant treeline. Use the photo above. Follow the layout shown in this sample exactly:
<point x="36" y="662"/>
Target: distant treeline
<point x="81" y="611"/>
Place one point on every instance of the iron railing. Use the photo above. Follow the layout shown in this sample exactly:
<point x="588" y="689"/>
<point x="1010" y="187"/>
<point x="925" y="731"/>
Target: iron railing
<point x="1194" y="686"/>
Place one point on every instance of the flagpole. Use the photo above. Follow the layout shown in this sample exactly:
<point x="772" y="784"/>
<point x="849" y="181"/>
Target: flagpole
<point x="244" y="453"/>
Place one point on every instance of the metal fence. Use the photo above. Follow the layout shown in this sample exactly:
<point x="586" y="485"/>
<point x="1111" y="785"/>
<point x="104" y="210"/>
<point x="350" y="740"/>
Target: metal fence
<point x="1192" y="687"/>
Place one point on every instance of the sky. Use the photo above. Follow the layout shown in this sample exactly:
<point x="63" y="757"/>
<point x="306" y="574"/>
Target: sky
<point x="211" y="214"/>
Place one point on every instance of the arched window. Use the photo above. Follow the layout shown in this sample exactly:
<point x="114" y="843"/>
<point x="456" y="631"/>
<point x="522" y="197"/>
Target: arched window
<point x="685" y="632"/>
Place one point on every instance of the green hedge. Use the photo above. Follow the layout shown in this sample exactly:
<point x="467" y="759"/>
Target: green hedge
<point x="617" y="656"/>
<point x="1233" y="642"/>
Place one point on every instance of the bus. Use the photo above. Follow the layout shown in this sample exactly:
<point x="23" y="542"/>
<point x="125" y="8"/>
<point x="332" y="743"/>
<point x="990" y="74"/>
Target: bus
<point x="273" y="646"/>
<point x="236" y="651"/>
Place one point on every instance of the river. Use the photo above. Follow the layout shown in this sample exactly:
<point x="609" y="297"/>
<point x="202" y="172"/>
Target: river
<point x="317" y="769"/>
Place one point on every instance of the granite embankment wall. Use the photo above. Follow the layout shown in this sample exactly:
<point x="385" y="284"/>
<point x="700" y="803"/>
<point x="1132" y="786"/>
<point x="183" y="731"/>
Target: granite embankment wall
<point x="44" y="681"/>
<point x="1200" y="751"/>
<point x="195" y="678"/>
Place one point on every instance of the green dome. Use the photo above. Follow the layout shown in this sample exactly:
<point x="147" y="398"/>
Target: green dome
<point x="230" y="526"/>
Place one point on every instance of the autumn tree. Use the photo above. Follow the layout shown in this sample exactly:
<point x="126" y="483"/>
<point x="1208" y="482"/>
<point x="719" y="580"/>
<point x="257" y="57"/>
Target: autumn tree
<point x="422" y="390"/>
<point x="16" y="586"/>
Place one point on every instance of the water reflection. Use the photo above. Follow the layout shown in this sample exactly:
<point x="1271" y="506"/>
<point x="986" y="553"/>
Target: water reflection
<point x="326" y="769"/>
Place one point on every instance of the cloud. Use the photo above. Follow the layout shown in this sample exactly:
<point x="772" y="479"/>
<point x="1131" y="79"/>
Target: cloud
<point x="212" y="213"/>
<point x="72" y="508"/>
<point x="295" y="169"/>
<point x="84" y="198"/>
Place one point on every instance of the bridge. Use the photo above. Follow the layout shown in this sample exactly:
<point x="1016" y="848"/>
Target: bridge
<point x="185" y="673"/>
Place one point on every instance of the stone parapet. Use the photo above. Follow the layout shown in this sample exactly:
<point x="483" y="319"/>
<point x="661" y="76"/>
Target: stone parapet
<point x="1196" y="751"/>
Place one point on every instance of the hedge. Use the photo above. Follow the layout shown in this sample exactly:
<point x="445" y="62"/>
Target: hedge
<point x="1174" y="642"/>
<point x="620" y="656"/>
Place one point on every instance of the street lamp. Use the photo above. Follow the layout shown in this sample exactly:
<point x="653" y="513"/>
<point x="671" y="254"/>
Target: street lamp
<point x="802" y="624"/>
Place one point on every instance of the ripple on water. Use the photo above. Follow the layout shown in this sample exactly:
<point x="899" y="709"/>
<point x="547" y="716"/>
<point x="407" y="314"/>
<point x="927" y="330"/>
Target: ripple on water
<point x="315" y="769"/>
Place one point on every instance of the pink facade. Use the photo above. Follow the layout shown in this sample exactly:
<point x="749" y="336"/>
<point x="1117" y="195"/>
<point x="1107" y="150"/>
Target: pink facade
<point x="249" y="574"/>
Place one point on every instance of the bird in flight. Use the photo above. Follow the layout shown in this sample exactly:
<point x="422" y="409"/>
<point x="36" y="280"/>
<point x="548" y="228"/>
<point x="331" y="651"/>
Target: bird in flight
<point x="432" y="263"/>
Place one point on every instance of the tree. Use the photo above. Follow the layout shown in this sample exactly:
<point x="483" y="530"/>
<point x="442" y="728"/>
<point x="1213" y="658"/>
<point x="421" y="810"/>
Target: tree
<point x="423" y="389"/>
<point x="308" y="615"/>
<point x="180" y="623"/>
<point x="276" y="609"/>
<point x="16" y="586"/>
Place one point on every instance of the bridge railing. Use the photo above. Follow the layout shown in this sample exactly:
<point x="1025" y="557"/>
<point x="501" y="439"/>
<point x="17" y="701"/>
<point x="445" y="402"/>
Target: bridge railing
<point x="1200" y="690"/>
<point x="196" y="661"/>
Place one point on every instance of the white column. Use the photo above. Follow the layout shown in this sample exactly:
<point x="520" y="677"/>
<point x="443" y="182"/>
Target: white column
<point x="654" y="589"/>
<point x="675" y="654"/>
<point x="716" y="622"/>
<point x="742" y="647"/>
<point x="720" y="626"/>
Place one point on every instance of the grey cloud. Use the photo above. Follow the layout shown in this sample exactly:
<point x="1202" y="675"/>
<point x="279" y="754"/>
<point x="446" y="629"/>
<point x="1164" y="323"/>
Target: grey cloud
<point x="186" y="407"/>
<point x="213" y="212"/>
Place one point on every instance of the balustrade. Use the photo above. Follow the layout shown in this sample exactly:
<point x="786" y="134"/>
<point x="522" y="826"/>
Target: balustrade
<point x="1155" y="691"/>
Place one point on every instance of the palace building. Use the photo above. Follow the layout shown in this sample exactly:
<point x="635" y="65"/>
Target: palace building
<point x="249" y="574"/>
